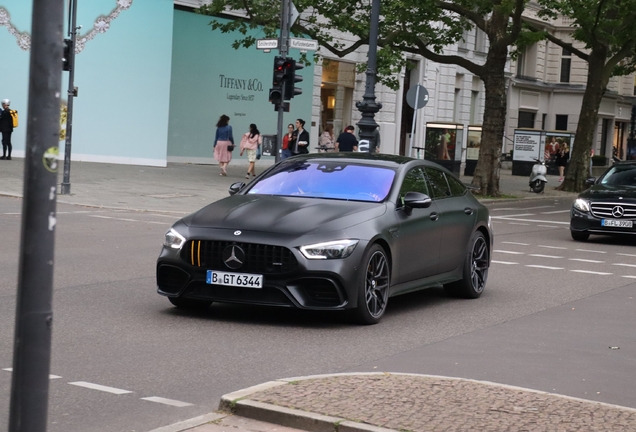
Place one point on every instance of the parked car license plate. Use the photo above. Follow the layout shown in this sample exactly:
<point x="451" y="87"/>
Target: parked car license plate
<point x="244" y="280"/>
<point x="617" y="223"/>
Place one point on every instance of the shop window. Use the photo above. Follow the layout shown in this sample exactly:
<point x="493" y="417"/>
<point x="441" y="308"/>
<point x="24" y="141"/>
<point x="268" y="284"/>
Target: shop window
<point x="526" y="119"/>
<point x="561" y="122"/>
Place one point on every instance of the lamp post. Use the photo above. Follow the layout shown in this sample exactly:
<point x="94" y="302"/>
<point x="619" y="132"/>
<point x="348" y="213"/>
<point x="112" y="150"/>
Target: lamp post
<point x="368" y="106"/>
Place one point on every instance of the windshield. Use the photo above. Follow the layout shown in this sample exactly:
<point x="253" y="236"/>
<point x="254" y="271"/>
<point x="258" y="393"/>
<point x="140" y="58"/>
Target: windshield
<point x="320" y="179"/>
<point x="620" y="175"/>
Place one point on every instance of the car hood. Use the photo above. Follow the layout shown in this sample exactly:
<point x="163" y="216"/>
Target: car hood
<point x="288" y="215"/>
<point x="602" y="192"/>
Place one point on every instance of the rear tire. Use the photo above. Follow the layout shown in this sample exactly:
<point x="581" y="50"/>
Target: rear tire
<point x="538" y="186"/>
<point x="373" y="286"/>
<point x="475" y="270"/>
<point x="580" y="236"/>
<point x="190" y="304"/>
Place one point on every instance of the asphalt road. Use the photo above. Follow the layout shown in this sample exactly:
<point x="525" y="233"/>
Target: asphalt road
<point x="551" y="311"/>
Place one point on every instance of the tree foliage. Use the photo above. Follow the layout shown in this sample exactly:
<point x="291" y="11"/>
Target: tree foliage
<point x="607" y="31"/>
<point x="424" y="27"/>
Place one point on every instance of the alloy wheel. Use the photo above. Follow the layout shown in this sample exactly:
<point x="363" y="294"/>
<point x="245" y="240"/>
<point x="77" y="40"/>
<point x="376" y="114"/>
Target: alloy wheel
<point x="479" y="264"/>
<point x="376" y="290"/>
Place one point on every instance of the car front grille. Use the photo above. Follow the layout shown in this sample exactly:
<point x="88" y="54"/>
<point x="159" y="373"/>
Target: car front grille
<point x="606" y="210"/>
<point x="259" y="258"/>
<point x="171" y="279"/>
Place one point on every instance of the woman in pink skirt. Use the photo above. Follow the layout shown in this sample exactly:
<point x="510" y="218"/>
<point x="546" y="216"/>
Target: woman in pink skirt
<point x="223" y="142"/>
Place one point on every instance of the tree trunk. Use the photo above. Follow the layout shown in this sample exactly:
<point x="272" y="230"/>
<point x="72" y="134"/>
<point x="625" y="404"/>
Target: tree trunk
<point x="578" y="169"/>
<point x="486" y="176"/>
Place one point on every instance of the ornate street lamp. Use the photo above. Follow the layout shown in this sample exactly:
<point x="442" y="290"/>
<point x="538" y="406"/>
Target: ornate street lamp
<point x="368" y="106"/>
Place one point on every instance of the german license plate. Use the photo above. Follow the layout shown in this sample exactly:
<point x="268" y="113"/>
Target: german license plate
<point x="244" y="280"/>
<point x="617" y="223"/>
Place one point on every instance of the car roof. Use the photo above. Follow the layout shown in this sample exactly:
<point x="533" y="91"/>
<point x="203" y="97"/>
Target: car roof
<point x="353" y="157"/>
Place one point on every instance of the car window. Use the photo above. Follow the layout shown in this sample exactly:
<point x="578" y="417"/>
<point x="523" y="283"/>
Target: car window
<point x="330" y="179"/>
<point x="439" y="185"/>
<point x="414" y="181"/>
<point x="456" y="187"/>
<point x="620" y="175"/>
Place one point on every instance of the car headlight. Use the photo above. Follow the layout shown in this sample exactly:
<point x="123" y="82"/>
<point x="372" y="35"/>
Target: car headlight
<point x="173" y="239"/>
<point x="329" y="250"/>
<point x="582" y="205"/>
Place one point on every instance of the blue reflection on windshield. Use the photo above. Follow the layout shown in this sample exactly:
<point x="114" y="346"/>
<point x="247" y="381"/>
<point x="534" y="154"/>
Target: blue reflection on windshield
<point x="333" y="180"/>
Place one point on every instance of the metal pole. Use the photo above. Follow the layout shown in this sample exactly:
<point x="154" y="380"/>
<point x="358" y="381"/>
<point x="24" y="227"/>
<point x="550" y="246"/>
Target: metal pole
<point x="72" y="32"/>
<point x="32" y="344"/>
<point x="368" y="106"/>
<point x="284" y="40"/>
<point x="417" y="97"/>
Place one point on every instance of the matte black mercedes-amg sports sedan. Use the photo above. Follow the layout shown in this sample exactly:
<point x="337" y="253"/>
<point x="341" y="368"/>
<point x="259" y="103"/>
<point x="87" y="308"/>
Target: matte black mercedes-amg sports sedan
<point x="331" y="231"/>
<point x="608" y="206"/>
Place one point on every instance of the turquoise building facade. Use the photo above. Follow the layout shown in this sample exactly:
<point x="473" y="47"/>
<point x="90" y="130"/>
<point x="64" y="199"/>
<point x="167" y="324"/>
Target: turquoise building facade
<point x="152" y="82"/>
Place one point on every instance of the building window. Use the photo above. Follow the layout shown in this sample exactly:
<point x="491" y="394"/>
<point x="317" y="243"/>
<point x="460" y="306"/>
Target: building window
<point x="543" y="119"/>
<point x="526" y="119"/>
<point x="456" y="105"/>
<point x="561" y="122"/>
<point x="474" y="98"/>
<point x="566" y="63"/>
<point x="480" y="40"/>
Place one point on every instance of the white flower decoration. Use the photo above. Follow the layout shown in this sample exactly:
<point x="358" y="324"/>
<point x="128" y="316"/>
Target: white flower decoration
<point x="101" y="25"/>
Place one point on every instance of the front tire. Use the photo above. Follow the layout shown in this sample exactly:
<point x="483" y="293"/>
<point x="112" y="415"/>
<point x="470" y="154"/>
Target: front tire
<point x="580" y="236"/>
<point x="190" y="304"/>
<point x="373" y="286"/>
<point x="538" y="186"/>
<point x="475" y="270"/>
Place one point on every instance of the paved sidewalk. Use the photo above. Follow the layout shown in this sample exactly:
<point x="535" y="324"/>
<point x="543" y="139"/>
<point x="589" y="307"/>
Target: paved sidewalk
<point x="182" y="188"/>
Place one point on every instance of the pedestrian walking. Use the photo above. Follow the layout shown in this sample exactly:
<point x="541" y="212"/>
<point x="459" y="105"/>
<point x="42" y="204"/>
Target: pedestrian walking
<point x="347" y="141"/>
<point x="251" y="143"/>
<point x="326" y="140"/>
<point x="223" y="143"/>
<point x="6" y="127"/>
<point x="562" y="158"/>
<point x="287" y="140"/>
<point x="300" y="138"/>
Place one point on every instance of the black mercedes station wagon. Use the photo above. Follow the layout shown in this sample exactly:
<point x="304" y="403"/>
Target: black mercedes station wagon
<point x="608" y="206"/>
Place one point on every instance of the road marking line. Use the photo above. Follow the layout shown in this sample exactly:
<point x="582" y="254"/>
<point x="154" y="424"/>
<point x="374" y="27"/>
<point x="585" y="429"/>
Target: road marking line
<point x="50" y="376"/>
<point x="624" y="265"/>
<point x="510" y="218"/>
<point x="591" y="272"/>
<point x="516" y="223"/>
<point x="556" y="212"/>
<point x="165" y="401"/>
<point x="629" y="277"/>
<point x="99" y="387"/>
<point x="537" y="207"/>
<point x="158" y="223"/>
<point x="587" y="250"/>
<point x="127" y="220"/>
<point x="503" y="262"/>
<point x="101" y="217"/>
<point x="545" y="267"/>
<point x="553" y="247"/>
<point x="545" y="256"/>
<point x="586" y="260"/>
<point x="547" y="226"/>
<point x="515" y="243"/>
<point x="622" y="254"/>
<point x="509" y="252"/>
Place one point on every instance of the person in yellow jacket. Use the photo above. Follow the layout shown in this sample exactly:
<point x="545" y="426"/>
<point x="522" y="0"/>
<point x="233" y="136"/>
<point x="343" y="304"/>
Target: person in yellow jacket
<point x="6" y="127"/>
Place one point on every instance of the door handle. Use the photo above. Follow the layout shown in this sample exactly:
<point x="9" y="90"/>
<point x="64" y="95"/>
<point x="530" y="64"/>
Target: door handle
<point x="434" y="216"/>
<point x="469" y="211"/>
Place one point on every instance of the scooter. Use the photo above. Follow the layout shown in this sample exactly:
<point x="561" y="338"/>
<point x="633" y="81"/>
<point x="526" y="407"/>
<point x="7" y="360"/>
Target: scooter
<point x="537" y="176"/>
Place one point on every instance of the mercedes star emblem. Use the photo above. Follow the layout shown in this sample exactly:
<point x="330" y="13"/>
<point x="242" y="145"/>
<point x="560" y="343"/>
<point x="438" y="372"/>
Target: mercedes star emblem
<point x="233" y="257"/>
<point x="618" y="211"/>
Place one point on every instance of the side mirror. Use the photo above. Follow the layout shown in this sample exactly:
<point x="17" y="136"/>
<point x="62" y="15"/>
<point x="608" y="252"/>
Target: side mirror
<point x="417" y="200"/>
<point x="590" y="181"/>
<point x="236" y="187"/>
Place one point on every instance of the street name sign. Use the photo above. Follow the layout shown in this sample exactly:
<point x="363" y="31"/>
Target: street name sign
<point x="303" y="44"/>
<point x="266" y="44"/>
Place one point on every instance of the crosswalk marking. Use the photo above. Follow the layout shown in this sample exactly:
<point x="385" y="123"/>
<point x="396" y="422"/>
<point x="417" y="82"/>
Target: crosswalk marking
<point x="553" y="247"/>
<point x="591" y="251"/>
<point x="165" y="401"/>
<point x="100" y="387"/>
<point x="624" y="265"/>
<point x="591" y="272"/>
<point x="546" y="256"/>
<point x="545" y="267"/>
<point x="586" y="260"/>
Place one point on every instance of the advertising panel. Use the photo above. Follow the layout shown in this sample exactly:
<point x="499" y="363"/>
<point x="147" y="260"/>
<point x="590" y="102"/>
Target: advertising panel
<point x="527" y="145"/>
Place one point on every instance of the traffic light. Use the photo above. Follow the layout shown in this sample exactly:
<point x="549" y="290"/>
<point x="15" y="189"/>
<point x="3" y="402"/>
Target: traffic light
<point x="66" y="56"/>
<point x="276" y="92"/>
<point x="291" y="78"/>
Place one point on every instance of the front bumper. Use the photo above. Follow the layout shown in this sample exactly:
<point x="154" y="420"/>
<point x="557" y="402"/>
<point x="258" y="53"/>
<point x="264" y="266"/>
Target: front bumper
<point x="312" y="284"/>
<point x="586" y="222"/>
